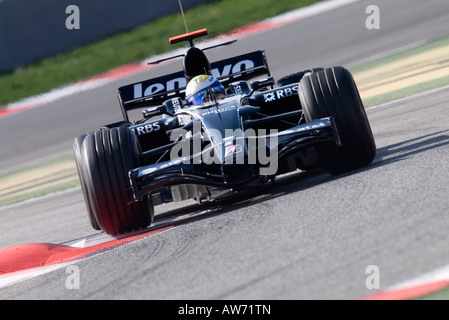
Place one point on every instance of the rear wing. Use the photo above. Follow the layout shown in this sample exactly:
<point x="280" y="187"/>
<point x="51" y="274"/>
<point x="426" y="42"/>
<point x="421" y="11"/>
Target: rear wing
<point x="155" y="91"/>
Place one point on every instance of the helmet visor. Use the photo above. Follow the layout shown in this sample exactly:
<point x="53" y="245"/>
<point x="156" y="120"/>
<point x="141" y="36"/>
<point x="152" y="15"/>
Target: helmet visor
<point x="216" y="90"/>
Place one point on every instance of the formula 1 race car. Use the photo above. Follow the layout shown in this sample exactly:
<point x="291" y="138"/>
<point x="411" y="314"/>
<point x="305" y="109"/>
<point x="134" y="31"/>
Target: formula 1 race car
<point x="243" y="135"/>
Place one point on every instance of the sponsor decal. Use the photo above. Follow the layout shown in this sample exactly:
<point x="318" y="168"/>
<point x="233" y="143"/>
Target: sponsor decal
<point x="219" y="110"/>
<point x="177" y="80"/>
<point x="269" y="97"/>
<point x="280" y="94"/>
<point x="233" y="68"/>
<point x="155" y="88"/>
<point x="234" y="149"/>
<point x="176" y="104"/>
<point x="147" y="128"/>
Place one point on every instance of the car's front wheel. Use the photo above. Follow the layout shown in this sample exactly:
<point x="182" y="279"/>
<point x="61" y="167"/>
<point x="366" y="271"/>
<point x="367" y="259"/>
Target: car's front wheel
<point x="106" y="156"/>
<point x="77" y="145"/>
<point x="333" y="92"/>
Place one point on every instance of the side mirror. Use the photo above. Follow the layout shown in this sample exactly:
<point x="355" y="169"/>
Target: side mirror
<point x="239" y="87"/>
<point x="173" y="105"/>
<point x="169" y="107"/>
<point x="153" y="111"/>
<point x="263" y="83"/>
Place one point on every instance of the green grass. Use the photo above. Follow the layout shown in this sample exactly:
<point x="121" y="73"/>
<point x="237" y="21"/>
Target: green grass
<point x="39" y="192"/>
<point x="135" y="45"/>
<point x="45" y="188"/>
<point x="402" y="93"/>
<point x="442" y="294"/>
<point x="405" y="92"/>
<point x="402" y="54"/>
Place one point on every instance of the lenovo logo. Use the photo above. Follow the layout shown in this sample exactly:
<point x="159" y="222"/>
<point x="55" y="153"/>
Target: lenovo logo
<point x="173" y="84"/>
<point x="178" y="81"/>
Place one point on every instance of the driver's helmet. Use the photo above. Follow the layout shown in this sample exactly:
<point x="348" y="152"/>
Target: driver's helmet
<point x="200" y="89"/>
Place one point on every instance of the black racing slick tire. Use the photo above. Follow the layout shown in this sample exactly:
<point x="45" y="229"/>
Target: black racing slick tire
<point x="295" y="77"/>
<point x="107" y="157"/>
<point x="333" y="93"/>
<point x="77" y="145"/>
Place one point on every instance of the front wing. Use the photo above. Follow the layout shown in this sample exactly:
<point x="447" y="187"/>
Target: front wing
<point x="184" y="171"/>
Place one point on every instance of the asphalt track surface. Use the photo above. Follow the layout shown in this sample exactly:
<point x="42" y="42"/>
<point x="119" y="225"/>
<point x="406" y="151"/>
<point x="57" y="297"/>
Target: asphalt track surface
<point x="310" y="236"/>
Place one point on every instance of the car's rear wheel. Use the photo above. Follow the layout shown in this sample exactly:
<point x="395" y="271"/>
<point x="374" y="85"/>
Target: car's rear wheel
<point x="106" y="158"/>
<point x="333" y="92"/>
